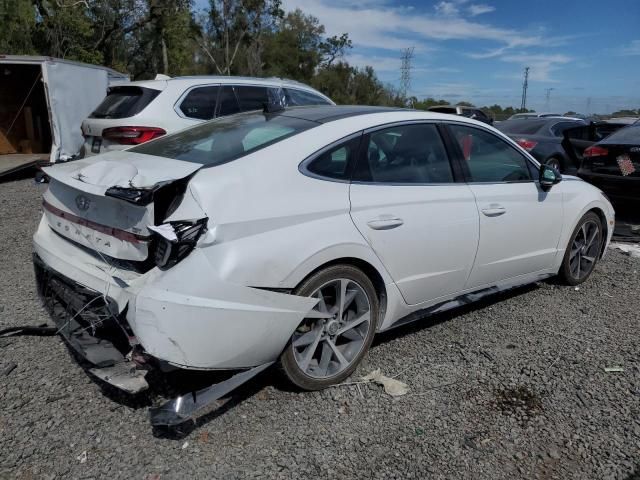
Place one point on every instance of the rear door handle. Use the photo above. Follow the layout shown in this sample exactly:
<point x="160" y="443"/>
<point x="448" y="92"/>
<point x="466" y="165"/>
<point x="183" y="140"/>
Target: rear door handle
<point x="494" y="210"/>
<point x="385" y="223"/>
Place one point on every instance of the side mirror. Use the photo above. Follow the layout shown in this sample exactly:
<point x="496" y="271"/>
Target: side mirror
<point x="549" y="176"/>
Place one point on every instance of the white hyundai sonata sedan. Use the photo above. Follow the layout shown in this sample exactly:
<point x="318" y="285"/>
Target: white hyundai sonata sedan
<point x="293" y="236"/>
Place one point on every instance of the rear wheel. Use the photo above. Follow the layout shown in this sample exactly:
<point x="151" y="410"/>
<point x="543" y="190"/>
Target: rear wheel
<point x="583" y="250"/>
<point x="330" y="342"/>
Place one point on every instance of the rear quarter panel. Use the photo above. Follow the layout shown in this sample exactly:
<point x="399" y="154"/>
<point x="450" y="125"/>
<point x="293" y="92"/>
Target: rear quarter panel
<point x="270" y="225"/>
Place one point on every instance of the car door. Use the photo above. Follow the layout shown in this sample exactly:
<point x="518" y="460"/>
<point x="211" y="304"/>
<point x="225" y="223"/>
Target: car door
<point x="407" y="203"/>
<point x="520" y="224"/>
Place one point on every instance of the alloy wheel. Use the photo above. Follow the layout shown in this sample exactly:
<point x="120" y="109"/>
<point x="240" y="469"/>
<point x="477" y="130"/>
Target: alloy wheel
<point x="584" y="250"/>
<point x="332" y="335"/>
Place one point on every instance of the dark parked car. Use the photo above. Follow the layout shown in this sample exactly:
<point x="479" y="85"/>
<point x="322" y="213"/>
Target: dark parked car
<point x="542" y="138"/>
<point x="611" y="164"/>
<point x="469" y="112"/>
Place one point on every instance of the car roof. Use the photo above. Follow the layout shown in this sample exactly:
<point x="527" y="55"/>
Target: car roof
<point x="329" y="113"/>
<point x="188" y="81"/>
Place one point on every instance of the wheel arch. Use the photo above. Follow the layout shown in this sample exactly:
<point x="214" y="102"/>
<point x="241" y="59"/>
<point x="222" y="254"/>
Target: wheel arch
<point x="605" y="227"/>
<point x="368" y="269"/>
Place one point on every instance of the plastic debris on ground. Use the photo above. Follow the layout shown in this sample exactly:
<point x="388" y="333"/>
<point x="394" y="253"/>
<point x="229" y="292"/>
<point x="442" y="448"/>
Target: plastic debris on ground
<point x="392" y="387"/>
<point x="628" y="248"/>
<point x="82" y="457"/>
<point x="613" y="369"/>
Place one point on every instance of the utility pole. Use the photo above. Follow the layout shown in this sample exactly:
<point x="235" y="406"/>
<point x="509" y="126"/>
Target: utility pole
<point x="405" y="71"/>
<point x="525" y="85"/>
<point x="547" y="98"/>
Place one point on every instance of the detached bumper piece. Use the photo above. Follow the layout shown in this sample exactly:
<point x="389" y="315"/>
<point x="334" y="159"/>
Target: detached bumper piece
<point x="90" y="325"/>
<point x="186" y="407"/>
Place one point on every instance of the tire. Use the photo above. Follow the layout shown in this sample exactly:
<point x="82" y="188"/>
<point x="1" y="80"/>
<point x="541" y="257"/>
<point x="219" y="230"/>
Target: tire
<point x="587" y="254"/>
<point x="555" y="162"/>
<point x="304" y="359"/>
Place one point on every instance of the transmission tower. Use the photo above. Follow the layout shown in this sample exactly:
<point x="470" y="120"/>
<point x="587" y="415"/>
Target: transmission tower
<point x="405" y="71"/>
<point x="547" y="97"/>
<point x="588" y="112"/>
<point x="525" y="85"/>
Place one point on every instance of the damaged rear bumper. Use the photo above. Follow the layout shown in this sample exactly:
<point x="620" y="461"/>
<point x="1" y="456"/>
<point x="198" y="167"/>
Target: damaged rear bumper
<point x="186" y="316"/>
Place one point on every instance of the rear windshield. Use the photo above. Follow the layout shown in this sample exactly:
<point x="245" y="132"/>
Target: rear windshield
<point x="443" y="109"/>
<point x="225" y="139"/>
<point x="626" y="135"/>
<point x="125" y="101"/>
<point x="525" y="126"/>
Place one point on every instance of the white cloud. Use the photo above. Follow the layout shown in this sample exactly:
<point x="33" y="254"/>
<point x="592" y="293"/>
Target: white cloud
<point x="632" y="49"/>
<point x="541" y="65"/>
<point x="475" y="10"/>
<point x="393" y="27"/>
<point x="447" y="9"/>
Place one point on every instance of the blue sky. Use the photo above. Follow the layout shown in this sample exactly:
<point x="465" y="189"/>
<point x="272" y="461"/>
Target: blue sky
<point x="587" y="51"/>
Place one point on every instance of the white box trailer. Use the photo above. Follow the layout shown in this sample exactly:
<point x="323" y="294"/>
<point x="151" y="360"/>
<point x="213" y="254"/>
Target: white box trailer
<point x="43" y="101"/>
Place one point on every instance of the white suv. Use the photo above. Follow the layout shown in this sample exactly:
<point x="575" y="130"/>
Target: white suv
<point x="137" y="112"/>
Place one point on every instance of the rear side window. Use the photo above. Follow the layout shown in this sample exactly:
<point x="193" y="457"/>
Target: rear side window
<point x="559" y="128"/>
<point x="489" y="158"/>
<point x="124" y="101"/>
<point x="200" y="103"/>
<point x="226" y="139"/>
<point x="227" y="101"/>
<point x="404" y="154"/>
<point x="334" y="162"/>
<point x="300" y="97"/>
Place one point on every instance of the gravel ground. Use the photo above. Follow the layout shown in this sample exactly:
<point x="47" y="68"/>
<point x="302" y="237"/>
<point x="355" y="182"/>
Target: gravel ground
<point x="514" y="387"/>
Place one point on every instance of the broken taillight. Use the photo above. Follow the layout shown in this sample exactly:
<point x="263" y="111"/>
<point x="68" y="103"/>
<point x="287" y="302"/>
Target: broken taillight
<point x="132" y="135"/>
<point x="175" y="240"/>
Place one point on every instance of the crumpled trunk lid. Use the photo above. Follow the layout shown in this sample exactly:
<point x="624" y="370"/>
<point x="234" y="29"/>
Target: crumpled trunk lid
<point x="78" y="207"/>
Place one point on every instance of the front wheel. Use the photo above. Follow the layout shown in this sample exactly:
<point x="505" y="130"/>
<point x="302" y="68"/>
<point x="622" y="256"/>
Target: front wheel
<point x="583" y="250"/>
<point x="330" y="342"/>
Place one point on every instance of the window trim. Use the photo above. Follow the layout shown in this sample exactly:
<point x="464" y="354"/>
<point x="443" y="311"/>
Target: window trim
<point x="459" y="157"/>
<point x="303" y="166"/>
<point x="455" y="173"/>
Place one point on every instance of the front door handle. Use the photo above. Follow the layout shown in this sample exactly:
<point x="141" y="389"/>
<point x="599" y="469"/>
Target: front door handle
<point x="494" y="210"/>
<point x="385" y="223"/>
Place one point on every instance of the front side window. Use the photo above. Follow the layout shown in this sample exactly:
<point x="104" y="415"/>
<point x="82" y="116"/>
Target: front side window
<point x="489" y="158"/>
<point x="227" y="102"/>
<point x="226" y="139"/>
<point x="200" y="103"/>
<point x="334" y="162"/>
<point x="404" y="154"/>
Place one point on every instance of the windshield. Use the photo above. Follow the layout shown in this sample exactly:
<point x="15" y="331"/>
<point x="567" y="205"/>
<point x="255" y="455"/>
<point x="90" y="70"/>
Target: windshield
<point x="225" y="139"/>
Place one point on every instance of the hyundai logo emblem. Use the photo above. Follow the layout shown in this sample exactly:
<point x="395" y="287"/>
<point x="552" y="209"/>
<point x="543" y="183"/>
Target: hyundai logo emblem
<point x="83" y="202"/>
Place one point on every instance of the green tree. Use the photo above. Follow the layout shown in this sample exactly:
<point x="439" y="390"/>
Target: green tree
<point x="18" y="24"/>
